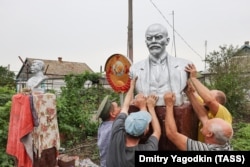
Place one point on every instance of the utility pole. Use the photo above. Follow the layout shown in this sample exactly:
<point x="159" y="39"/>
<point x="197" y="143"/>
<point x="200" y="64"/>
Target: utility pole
<point x="205" y="54"/>
<point x="130" y="30"/>
<point x="130" y="39"/>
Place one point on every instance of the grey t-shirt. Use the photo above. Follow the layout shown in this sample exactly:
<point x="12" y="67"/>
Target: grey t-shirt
<point x="193" y="145"/>
<point x="118" y="153"/>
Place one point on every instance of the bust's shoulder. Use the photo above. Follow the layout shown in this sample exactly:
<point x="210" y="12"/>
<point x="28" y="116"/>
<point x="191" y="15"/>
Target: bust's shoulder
<point x="179" y="61"/>
<point x="35" y="81"/>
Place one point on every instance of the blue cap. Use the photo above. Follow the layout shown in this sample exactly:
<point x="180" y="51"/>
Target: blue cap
<point x="137" y="122"/>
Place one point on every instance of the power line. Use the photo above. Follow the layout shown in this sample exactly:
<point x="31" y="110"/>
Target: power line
<point x="175" y="30"/>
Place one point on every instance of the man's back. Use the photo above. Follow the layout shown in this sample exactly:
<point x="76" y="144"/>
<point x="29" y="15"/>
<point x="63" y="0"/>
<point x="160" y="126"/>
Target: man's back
<point x="193" y="145"/>
<point x="104" y="133"/>
<point x="118" y="153"/>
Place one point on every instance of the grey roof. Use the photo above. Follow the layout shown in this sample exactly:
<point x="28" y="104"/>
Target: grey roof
<point x="53" y="68"/>
<point x="246" y="45"/>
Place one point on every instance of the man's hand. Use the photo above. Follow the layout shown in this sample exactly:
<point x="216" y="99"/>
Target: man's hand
<point x="189" y="88"/>
<point x="192" y="70"/>
<point x="169" y="99"/>
<point x="133" y="81"/>
<point x="129" y="96"/>
<point x="151" y="100"/>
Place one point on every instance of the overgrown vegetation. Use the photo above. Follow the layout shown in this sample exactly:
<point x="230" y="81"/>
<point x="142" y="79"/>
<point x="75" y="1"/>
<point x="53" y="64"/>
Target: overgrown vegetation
<point x="241" y="137"/>
<point x="227" y="75"/>
<point x="7" y="78"/>
<point x="76" y="107"/>
<point x="7" y="90"/>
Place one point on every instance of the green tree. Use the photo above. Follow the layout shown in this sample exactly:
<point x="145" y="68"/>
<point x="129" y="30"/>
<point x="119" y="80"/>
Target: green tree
<point x="240" y="141"/>
<point x="228" y="76"/>
<point x="7" y="77"/>
<point x="7" y="90"/>
<point x="5" y="104"/>
<point x="76" y="107"/>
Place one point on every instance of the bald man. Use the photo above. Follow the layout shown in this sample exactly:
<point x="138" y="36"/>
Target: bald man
<point x="213" y="100"/>
<point x="216" y="131"/>
<point x="160" y="72"/>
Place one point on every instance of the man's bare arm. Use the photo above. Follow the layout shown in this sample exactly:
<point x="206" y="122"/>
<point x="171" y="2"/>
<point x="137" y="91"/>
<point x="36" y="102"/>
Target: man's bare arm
<point x="197" y="106"/>
<point x="151" y="101"/>
<point x="173" y="135"/>
<point x="129" y="96"/>
<point x="202" y="90"/>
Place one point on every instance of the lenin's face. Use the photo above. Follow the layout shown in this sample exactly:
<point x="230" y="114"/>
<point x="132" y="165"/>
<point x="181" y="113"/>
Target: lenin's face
<point x="156" y="40"/>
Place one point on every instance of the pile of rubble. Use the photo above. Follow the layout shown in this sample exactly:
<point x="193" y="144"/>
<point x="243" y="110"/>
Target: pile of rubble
<point x="65" y="160"/>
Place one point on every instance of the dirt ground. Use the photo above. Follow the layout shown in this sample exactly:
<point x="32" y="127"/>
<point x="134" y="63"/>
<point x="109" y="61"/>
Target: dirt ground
<point x="87" y="150"/>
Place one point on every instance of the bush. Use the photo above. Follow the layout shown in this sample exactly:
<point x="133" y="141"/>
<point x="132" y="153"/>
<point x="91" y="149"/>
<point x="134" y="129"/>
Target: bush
<point x="228" y="76"/>
<point x="5" y="160"/>
<point x="76" y="108"/>
<point x="240" y="141"/>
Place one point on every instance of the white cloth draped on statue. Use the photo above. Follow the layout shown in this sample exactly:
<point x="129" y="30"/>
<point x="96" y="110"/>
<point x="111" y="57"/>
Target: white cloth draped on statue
<point x="46" y="135"/>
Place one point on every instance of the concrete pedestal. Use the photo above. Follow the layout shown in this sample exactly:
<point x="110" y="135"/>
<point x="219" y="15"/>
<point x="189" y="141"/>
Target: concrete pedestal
<point x="186" y="122"/>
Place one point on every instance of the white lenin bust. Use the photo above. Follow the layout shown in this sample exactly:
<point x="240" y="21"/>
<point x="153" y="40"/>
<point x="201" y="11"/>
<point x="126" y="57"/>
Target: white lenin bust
<point x="160" y="72"/>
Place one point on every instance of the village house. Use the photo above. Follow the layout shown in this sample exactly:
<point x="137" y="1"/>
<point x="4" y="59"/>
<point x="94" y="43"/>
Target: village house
<point x="241" y="58"/>
<point x="55" y="71"/>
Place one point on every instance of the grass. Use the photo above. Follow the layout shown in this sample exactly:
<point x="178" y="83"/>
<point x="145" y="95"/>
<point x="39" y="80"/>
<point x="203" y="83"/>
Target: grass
<point x="240" y="141"/>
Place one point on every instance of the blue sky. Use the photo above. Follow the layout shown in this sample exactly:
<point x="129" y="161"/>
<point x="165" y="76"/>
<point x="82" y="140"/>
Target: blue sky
<point x="92" y="30"/>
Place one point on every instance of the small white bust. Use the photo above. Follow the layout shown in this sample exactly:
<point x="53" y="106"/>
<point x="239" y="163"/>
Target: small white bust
<point x="36" y="69"/>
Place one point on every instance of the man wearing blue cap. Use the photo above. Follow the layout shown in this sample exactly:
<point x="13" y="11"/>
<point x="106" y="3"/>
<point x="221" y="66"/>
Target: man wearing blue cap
<point x="127" y="130"/>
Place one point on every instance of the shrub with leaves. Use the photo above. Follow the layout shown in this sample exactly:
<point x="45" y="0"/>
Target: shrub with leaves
<point x="241" y="137"/>
<point x="76" y="107"/>
<point x="227" y="75"/>
<point x="7" y="77"/>
<point x="5" y="104"/>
